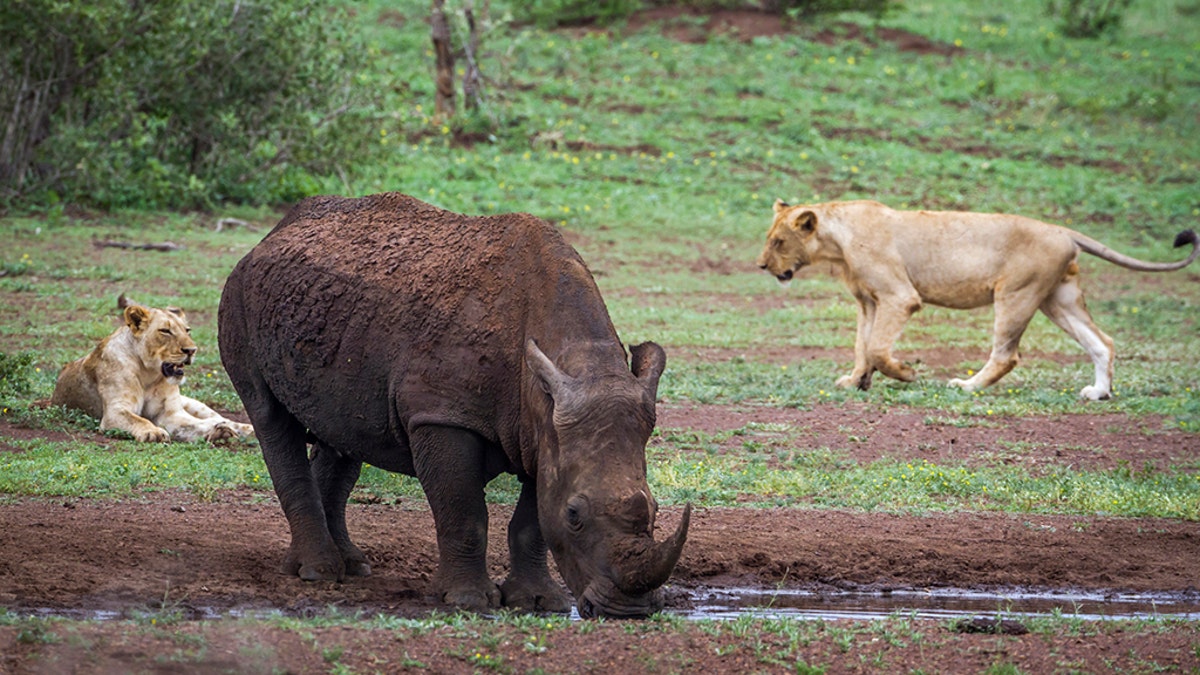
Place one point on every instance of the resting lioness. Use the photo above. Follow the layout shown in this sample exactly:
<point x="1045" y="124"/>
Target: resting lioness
<point x="131" y="381"/>
<point x="893" y="261"/>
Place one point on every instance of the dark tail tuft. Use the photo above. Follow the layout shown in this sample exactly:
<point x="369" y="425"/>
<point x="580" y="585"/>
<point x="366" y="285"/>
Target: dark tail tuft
<point x="1186" y="237"/>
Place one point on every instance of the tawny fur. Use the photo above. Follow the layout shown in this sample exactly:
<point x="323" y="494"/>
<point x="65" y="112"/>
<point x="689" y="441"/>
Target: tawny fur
<point x="895" y="261"/>
<point x="130" y="381"/>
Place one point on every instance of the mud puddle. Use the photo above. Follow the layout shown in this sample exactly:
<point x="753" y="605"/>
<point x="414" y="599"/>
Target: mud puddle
<point x="941" y="603"/>
<point x="724" y="604"/>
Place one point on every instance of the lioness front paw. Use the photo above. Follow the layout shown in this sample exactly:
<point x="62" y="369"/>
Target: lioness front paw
<point x="152" y="434"/>
<point x="848" y="381"/>
<point x="1094" y="393"/>
<point x="220" y="433"/>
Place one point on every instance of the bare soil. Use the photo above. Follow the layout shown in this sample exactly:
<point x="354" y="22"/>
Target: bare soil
<point x="170" y="551"/>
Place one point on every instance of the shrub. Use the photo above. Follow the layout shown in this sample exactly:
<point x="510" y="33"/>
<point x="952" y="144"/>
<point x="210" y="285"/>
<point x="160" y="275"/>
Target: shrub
<point x="1087" y="18"/>
<point x="172" y="104"/>
<point x="16" y="375"/>
<point x="551" y="13"/>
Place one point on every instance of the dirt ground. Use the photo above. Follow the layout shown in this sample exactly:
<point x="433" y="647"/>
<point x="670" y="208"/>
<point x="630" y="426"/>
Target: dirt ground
<point x="169" y="551"/>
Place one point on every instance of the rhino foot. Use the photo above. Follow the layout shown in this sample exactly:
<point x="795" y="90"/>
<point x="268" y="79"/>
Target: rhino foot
<point x="331" y="569"/>
<point x="473" y="599"/>
<point x="535" y="596"/>
<point x="357" y="568"/>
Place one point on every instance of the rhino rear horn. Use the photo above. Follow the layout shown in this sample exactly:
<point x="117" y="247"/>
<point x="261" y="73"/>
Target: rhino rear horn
<point x="553" y="380"/>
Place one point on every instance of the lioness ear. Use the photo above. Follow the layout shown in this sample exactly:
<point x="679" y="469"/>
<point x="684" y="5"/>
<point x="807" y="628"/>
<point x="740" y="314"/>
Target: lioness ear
<point x="805" y="222"/>
<point x="780" y="205"/>
<point x="136" y="317"/>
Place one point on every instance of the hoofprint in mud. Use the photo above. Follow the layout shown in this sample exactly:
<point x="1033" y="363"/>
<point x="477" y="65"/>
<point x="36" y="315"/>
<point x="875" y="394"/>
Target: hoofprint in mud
<point x="451" y="348"/>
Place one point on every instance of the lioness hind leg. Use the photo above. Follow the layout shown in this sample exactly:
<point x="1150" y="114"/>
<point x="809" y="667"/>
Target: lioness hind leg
<point x="1066" y="308"/>
<point x="1012" y="317"/>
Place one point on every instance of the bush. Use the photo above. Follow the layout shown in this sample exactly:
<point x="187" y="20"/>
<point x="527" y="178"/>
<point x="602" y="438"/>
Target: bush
<point x="551" y="13"/>
<point x="181" y="104"/>
<point x="16" y="375"/>
<point x="1087" y="18"/>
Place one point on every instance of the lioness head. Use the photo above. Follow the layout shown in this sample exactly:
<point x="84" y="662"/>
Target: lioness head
<point x="791" y="241"/>
<point x="162" y="338"/>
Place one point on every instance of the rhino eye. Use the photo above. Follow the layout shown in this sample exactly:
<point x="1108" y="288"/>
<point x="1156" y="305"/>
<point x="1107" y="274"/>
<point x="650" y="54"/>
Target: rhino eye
<point x="576" y="514"/>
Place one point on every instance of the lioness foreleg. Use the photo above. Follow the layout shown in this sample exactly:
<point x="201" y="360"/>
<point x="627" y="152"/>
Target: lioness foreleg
<point x="226" y="428"/>
<point x="861" y="375"/>
<point x="121" y="412"/>
<point x="890" y="316"/>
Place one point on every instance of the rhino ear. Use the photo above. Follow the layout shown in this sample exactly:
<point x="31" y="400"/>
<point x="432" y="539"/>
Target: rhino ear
<point x="551" y="378"/>
<point x="647" y="361"/>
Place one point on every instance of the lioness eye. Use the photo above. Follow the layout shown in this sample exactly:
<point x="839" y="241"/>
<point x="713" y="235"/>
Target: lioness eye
<point x="776" y="243"/>
<point x="166" y="331"/>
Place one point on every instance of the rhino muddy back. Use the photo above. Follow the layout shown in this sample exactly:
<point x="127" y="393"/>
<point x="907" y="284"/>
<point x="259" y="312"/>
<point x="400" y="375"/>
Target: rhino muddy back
<point x="351" y="306"/>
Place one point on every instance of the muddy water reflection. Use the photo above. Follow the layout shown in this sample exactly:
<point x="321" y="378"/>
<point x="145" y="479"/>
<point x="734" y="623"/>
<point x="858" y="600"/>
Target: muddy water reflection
<point x="943" y="603"/>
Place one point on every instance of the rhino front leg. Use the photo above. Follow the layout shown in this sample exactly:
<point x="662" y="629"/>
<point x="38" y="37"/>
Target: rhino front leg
<point x="449" y="463"/>
<point x="336" y="475"/>
<point x="529" y="585"/>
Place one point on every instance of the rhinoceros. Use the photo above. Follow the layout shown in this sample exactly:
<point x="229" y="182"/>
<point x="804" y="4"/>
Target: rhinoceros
<point x="451" y="348"/>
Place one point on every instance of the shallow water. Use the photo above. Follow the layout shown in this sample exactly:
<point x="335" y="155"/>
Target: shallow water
<point x="723" y="604"/>
<point x="941" y="603"/>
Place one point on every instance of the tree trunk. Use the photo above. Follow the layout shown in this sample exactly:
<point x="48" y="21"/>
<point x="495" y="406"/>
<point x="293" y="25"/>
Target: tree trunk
<point x="444" y="101"/>
<point x="472" y="87"/>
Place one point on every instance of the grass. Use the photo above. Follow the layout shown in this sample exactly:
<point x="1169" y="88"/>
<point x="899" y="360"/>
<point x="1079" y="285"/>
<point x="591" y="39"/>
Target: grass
<point x="660" y="159"/>
<point x="356" y="642"/>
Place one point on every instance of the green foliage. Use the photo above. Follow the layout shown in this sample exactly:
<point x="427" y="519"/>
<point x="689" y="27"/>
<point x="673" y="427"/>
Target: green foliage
<point x="1087" y="18"/>
<point x="180" y="104"/>
<point x="876" y="8"/>
<point x="551" y="13"/>
<point x="16" y="375"/>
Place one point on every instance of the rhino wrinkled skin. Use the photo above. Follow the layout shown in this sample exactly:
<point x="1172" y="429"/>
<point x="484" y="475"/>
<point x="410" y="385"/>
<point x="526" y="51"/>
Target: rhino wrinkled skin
<point x="451" y="348"/>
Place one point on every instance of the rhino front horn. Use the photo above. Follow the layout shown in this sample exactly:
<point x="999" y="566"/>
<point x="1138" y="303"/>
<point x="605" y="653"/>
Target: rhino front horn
<point x="652" y="569"/>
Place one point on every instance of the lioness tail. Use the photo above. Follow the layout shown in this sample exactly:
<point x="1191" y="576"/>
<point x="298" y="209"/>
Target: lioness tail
<point x="1089" y="245"/>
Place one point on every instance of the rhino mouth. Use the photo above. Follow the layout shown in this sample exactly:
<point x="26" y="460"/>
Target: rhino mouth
<point x="170" y="370"/>
<point x="594" y="604"/>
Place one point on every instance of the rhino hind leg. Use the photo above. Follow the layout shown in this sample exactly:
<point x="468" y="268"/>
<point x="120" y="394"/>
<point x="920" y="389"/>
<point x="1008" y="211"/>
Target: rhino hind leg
<point x="313" y="555"/>
<point x="449" y="463"/>
<point x="529" y="585"/>
<point x="336" y="475"/>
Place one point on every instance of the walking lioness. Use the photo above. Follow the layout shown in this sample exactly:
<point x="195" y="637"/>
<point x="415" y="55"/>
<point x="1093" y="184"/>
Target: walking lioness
<point x="893" y="261"/>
